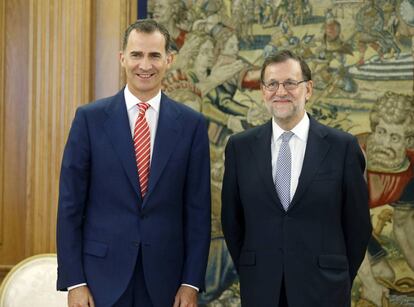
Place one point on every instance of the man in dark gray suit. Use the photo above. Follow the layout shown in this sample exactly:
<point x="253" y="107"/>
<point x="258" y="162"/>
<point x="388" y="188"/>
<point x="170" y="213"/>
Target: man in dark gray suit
<point x="294" y="201"/>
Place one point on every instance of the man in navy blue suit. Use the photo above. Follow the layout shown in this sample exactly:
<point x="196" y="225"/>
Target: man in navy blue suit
<point x="133" y="225"/>
<point x="294" y="200"/>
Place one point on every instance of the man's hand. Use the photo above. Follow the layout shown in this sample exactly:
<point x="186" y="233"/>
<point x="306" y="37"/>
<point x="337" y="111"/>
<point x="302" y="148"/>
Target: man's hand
<point x="186" y="297"/>
<point x="80" y="297"/>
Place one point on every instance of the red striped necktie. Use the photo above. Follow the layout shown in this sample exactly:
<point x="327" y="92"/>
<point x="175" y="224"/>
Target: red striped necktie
<point x="142" y="146"/>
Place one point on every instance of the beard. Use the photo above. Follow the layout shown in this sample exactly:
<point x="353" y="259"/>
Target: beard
<point x="282" y="113"/>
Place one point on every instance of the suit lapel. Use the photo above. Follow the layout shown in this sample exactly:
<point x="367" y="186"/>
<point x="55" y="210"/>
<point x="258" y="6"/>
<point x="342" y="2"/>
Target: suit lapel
<point x="165" y="141"/>
<point x="119" y="132"/>
<point x="316" y="150"/>
<point x="261" y="149"/>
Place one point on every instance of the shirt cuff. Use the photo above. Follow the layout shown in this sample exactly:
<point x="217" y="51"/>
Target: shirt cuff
<point x="187" y="285"/>
<point x="76" y="286"/>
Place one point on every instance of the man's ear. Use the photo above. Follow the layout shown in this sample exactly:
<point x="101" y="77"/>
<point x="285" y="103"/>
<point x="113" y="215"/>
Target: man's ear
<point x="309" y="90"/>
<point x="170" y="58"/>
<point x="121" y="57"/>
<point x="262" y="89"/>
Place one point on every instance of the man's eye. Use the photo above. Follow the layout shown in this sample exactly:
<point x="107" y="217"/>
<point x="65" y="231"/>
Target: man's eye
<point x="289" y="83"/>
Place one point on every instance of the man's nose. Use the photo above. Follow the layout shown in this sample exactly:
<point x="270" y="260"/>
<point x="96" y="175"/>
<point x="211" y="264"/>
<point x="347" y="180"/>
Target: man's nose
<point x="281" y="91"/>
<point x="145" y="63"/>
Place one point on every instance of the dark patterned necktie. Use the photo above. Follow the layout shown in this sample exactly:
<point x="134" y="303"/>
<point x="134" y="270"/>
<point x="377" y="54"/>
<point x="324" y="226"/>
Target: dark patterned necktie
<point x="282" y="175"/>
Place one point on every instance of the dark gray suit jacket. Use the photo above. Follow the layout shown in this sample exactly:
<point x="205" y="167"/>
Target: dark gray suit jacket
<point x="319" y="243"/>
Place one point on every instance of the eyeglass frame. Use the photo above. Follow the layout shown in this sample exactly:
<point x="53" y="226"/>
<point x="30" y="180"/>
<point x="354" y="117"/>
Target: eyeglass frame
<point x="294" y="82"/>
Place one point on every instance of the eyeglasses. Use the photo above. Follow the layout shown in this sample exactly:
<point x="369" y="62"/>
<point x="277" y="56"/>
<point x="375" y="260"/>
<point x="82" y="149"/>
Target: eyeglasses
<point x="289" y="85"/>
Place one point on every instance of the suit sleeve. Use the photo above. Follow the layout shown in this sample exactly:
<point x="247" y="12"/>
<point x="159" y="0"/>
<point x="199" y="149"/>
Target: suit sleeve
<point x="232" y="218"/>
<point x="355" y="218"/>
<point x="197" y="210"/>
<point x="73" y="193"/>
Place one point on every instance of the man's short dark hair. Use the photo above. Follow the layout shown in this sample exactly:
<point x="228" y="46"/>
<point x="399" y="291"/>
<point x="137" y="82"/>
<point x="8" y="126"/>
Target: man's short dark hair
<point x="283" y="56"/>
<point x="147" y="26"/>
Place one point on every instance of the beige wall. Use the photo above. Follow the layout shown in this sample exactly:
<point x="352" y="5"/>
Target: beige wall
<point x="54" y="56"/>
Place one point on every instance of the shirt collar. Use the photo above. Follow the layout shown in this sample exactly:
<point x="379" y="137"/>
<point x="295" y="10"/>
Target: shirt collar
<point x="301" y="130"/>
<point x="131" y="101"/>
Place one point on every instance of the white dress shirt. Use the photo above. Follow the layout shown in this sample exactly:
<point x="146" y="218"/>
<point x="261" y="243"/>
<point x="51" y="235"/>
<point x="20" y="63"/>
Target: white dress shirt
<point x="151" y="114"/>
<point x="297" y="146"/>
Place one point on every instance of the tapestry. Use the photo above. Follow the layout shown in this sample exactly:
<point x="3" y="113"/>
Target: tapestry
<point x="361" y="57"/>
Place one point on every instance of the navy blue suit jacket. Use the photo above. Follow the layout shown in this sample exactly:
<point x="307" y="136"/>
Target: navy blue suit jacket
<point x="319" y="243"/>
<point x="103" y="221"/>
